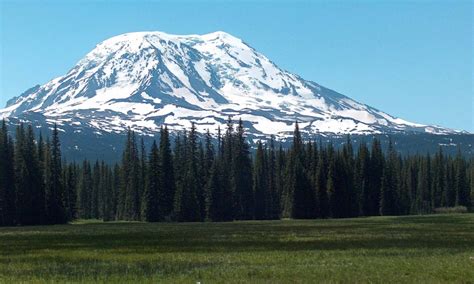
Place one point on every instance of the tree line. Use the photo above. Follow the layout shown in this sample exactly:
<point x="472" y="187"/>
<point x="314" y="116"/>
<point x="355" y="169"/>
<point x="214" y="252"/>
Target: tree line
<point x="202" y="178"/>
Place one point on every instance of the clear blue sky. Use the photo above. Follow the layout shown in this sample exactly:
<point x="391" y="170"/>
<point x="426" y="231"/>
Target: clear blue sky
<point x="412" y="59"/>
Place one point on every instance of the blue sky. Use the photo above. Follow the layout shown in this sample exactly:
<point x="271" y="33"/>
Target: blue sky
<point x="412" y="59"/>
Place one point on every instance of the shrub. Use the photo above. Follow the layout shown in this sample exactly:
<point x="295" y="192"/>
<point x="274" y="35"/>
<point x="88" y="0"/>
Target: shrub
<point x="451" y="210"/>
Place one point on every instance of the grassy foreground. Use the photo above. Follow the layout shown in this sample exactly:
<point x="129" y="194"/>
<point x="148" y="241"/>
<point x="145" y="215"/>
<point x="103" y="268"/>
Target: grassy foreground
<point x="429" y="249"/>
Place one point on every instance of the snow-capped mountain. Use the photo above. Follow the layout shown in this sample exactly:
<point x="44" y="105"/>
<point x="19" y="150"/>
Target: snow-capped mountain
<point x="146" y="79"/>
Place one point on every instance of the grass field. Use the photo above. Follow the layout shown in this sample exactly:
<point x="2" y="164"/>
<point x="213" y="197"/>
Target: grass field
<point x="430" y="249"/>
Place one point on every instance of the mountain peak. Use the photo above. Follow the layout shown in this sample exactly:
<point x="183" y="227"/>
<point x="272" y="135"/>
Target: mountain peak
<point x="146" y="79"/>
<point x="134" y="37"/>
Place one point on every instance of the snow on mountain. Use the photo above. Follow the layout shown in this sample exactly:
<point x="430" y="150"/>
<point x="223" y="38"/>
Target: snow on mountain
<point x="143" y="80"/>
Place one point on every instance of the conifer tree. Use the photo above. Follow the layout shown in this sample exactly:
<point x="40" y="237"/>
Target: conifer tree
<point x="187" y="205"/>
<point x="130" y="189"/>
<point x="113" y="199"/>
<point x="451" y="185"/>
<point x="300" y="198"/>
<point x="273" y="207"/>
<point x="350" y="195"/>
<point x="362" y="179"/>
<point x="29" y="189"/>
<point x="85" y="191"/>
<point x="55" y="210"/>
<point x="463" y="197"/>
<point x="321" y="185"/>
<point x="260" y="184"/>
<point x="207" y="160"/>
<point x="150" y="204"/>
<point x="166" y="193"/>
<point x="241" y="176"/>
<point x="70" y="197"/>
<point x="21" y="182"/>
<point x="388" y="192"/>
<point x="215" y="201"/>
<point x="143" y="170"/>
<point x="95" y="190"/>
<point x="333" y="200"/>
<point x="227" y="165"/>
<point x="279" y="179"/>
<point x="7" y="191"/>
<point x="423" y="198"/>
<point x="439" y="182"/>
<point x="202" y="176"/>
<point x="375" y="177"/>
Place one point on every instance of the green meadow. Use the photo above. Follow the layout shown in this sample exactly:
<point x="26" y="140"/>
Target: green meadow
<point x="428" y="249"/>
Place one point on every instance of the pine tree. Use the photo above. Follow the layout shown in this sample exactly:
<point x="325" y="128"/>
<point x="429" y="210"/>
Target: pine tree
<point x="206" y="164"/>
<point x="362" y="179"/>
<point x="21" y="171"/>
<point x="95" y="191"/>
<point x="450" y="195"/>
<point x="463" y="197"/>
<point x="209" y="154"/>
<point x="273" y="208"/>
<point x="321" y="185"/>
<point x="404" y="200"/>
<point x="241" y="176"/>
<point x="115" y="190"/>
<point x="226" y="171"/>
<point x="375" y="177"/>
<point x="55" y="210"/>
<point x="109" y="195"/>
<point x="300" y="199"/>
<point x="187" y="206"/>
<point x="439" y="183"/>
<point x="150" y="204"/>
<point x="143" y="170"/>
<point x="130" y="188"/>
<point x="215" y="201"/>
<point x="388" y="192"/>
<point x="85" y="191"/>
<point x="3" y="165"/>
<point x="279" y="179"/>
<point x="412" y="183"/>
<point x="423" y="198"/>
<point x="29" y="187"/>
<point x="260" y="184"/>
<point x="7" y="191"/>
<point x="70" y="198"/>
<point x="333" y="200"/>
<point x="350" y="197"/>
<point x="202" y="176"/>
<point x="312" y="170"/>
<point x="167" y="187"/>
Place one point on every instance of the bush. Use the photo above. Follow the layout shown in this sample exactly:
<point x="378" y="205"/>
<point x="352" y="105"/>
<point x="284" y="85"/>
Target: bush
<point x="451" y="210"/>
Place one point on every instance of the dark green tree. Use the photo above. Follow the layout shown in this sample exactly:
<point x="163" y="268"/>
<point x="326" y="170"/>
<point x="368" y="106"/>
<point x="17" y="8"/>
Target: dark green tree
<point x="375" y="178"/>
<point x="260" y="184"/>
<point x="187" y="206"/>
<point x="167" y="188"/>
<point x="463" y="197"/>
<point x="241" y="176"/>
<point x="7" y="178"/>
<point x="55" y="211"/>
<point x="70" y="196"/>
<point x="130" y="188"/>
<point x="389" y="187"/>
<point x="150" y="211"/>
